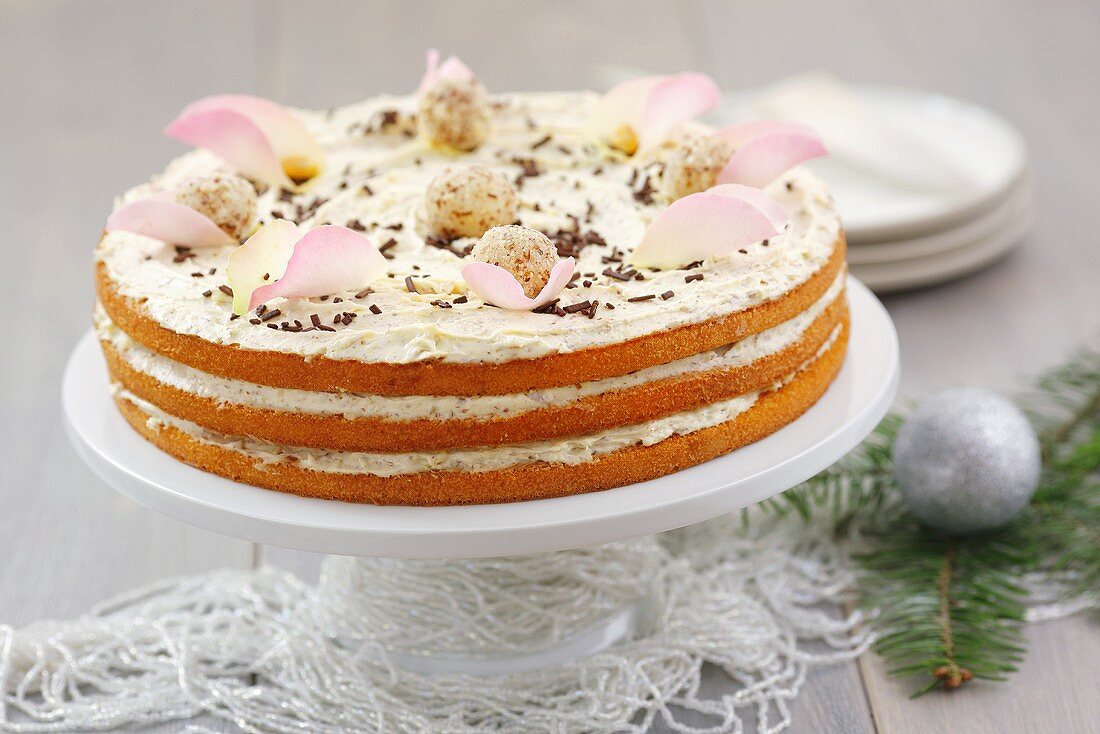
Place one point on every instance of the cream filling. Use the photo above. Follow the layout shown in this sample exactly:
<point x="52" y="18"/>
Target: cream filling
<point x="443" y="407"/>
<point x="575" y="450"/>
<point x="409" y="329"/>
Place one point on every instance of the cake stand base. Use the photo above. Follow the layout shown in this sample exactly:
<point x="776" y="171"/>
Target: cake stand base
<point x="488" y="617"/>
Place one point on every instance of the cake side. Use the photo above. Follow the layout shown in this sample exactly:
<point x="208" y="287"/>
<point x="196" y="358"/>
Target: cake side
<point x="376" y="423"/>
<point x="763" y="415"/>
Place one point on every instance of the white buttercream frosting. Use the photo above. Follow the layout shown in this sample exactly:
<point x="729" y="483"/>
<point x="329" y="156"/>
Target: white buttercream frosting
<point x="377" y="180"/>
<point x="573" y="450"/>
<point x="445" y="407"/>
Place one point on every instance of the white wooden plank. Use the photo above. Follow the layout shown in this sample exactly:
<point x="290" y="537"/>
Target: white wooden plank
<point x="1057" y="691"/>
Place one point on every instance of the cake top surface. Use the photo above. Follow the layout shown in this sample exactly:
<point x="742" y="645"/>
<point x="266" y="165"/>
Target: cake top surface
<point x="594" y="203"/>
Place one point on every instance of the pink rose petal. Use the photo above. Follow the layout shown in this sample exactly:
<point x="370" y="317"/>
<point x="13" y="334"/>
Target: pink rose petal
<point x="328" y="259"/>
<point x="266" y="253"/>
<point x="702" y="225"/>
<point x="768" y="206"/>
<point x="161" y="218"/>
<point x="673" y="101"/>
<point x="495" y="285"/>
<point x="763" y="150"/>
<point x="653" y="106"/>
<point x="258" y="137"/>
<point x="452" y="67"/>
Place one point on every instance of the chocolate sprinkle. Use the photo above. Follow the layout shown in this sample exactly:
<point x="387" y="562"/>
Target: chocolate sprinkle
<point x="374" y="309"/>
<point x="410" y="285"/>
<point x="316" y="321"/>
<point x="645" y="193"/>
<point x="268" y="315"/>
<point x="583" y="305"/>
<point x="694" y="277"/>
<point x="619" y="274"/>
<point x="226" y="290"/>
<point x="636" y="299"/>
<point x="541" y="142"/>
<point x="667" y="295"/>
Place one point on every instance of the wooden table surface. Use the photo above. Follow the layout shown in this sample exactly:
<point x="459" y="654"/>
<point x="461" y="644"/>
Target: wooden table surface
<point x="87" y="86"/>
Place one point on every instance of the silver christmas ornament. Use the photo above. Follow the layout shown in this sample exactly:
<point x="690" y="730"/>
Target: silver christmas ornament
<point x="967" y="460"/>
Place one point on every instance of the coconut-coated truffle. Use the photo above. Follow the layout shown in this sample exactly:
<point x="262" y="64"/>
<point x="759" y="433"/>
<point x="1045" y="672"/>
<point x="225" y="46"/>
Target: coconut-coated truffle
<point x="454" y="111"/>
<point x="526" y="253"/>
<point x="227" y="200"/>
<point x="467" y="201"/>
<point x="693" y="165"/>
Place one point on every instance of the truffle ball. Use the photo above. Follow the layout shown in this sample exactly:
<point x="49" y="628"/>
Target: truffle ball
<point x="527" y="254"/>
<point x="693" y="165"/>
<point x="455" y="112"/>
<point x="227" y="200"/>
<point x="465" y="202"/>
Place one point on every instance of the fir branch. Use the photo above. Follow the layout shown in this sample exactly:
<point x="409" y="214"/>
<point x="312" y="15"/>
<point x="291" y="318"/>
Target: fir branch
<point x="1065" y="517"/>
<point x="950" y="608"/>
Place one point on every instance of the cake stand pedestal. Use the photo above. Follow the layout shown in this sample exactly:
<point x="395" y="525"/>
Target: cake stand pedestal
<point x="429" y="614"/>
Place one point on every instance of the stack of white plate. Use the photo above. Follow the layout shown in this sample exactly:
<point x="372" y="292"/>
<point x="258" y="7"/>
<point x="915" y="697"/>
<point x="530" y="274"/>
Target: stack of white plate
<point x="929" y="188"/>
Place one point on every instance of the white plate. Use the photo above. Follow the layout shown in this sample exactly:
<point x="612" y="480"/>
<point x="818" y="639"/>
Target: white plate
<point x="847" y="412"/>
<point x="983" y="143"/>
<point x="940" y="268"/>
<point x="1019" y="203"/>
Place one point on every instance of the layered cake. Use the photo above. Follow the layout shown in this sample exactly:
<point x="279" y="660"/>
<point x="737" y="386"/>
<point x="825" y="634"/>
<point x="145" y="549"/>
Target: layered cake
<point x="457" y="297"/>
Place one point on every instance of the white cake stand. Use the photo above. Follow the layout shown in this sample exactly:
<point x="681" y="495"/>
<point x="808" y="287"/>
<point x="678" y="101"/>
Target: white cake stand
<point x="845" y="415"/>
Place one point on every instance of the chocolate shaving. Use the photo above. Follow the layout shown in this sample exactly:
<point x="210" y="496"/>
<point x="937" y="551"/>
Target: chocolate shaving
<point x="226" y="290"/>
<point x="410" y="285"/>
<point x="694" y="277"/>
<point x="529" y="166"/>
<point x="442" y="243"/>
<point x="619" y="274"/>
<point x="374" y="309"/>
<point x="574" y="308"/>
<point x="316" y="321"/>
<point x="645" y="193"/>
<point x="461" y="299"/>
